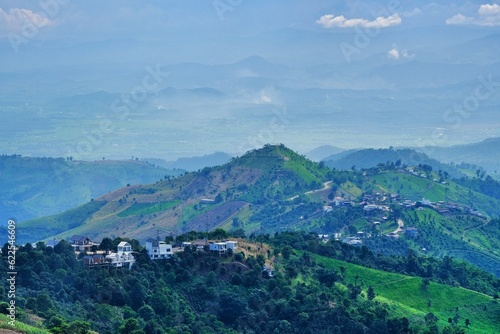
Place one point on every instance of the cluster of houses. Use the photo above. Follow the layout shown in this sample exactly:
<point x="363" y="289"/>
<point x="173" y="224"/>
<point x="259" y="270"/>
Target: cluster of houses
<point x="378" y="204"/>
<point x="155" y="248"/>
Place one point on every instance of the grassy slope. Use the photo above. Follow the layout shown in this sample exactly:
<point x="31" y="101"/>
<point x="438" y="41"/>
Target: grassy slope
<point x="461" y="236"/>
<point x="409" y="298"/>
<point x="46" y="227"/>
<point x="20" y="327"/>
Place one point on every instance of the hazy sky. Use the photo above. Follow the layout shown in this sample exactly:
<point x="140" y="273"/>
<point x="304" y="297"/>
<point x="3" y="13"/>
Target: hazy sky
<point x="60" y="24"/>
<point x="398" y="61"/>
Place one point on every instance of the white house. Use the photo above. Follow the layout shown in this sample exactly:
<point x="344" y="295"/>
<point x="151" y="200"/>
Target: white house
<point x="122" y="257"/>
<point x="221" y="247"/>
<point x="158" y="249"/>
<point x="232" y="244"/>
<point x="218" y="247"/>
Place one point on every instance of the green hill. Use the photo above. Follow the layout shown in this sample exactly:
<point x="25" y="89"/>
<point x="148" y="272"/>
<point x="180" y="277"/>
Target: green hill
<point x="409" y="297"/>
<point x="275" y="189"/>
<point x="201" y="200"/>
<point x="35" y="187"/>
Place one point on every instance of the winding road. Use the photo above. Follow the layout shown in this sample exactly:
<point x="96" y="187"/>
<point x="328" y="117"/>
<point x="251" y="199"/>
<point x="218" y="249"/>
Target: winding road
<point x="326" y="185"/>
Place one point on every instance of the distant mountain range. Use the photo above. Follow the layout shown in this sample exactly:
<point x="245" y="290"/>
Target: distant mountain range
<point x="201" y="107"/>
<point x="193" y="163"/>
<point x="368" y="158"/>
<point x="484" y="155"/>
<point x="321" y="152"/>
<point x="35" y="187"/>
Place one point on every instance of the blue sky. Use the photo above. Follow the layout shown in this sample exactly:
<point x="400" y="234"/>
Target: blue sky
<point x="68" y="23"/>
<point x="400" y="58"/>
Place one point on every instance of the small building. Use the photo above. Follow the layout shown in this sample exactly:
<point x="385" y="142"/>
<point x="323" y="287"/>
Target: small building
<point x="158" y="249"/>
<point x="207" y="201"/>
<point x="218" y="247"/>
<point x="267" y="272"/>
<point x="370" y="207"/>
<point x="80" y="243"/>
<point x="94" y="260"/>
<point x="354" y="241"/>
<point x="327" y="208"/>
<point x="122" y="257"/>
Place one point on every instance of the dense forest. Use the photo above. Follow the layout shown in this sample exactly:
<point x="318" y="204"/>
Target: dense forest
<point x="196" y="292"/>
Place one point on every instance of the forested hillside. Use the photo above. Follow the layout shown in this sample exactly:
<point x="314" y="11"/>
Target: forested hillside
<point x="315" y="287"/>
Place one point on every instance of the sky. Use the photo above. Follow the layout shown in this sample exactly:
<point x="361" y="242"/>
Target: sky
<point x="53" y="49"/>
<point x="67" y="23"/>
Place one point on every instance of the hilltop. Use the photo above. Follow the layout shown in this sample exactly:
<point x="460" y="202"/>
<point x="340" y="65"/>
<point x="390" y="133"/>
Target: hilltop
<point x="212" y="197"/>
<point x="35" y="187"/>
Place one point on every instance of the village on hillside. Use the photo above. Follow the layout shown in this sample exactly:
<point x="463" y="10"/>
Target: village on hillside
<point x="156" y="249"/>
<point x="377" y="209"/>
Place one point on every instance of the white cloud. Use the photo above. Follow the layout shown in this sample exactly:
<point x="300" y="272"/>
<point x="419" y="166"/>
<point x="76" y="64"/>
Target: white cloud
<point x="394" y="53"/>
<point x="331" y="21"/>
<point x="17" y="18"/>
<point x="487" y="15"/>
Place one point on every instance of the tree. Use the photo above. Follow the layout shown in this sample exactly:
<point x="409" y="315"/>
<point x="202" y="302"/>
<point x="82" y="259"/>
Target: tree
<point x="230" y="308"/>
<point x="371" y="293"/>
<point x="146" y="312"/>
<point x="56" y="324"/>
<point x="467" y="322"/>
<point x="287" y="251"/>
<point x="130" y="326"/>
<point x="425" y="283"/>
<point x="79" y="327"/>
<point x="431" y="321"/>
<point x="43" y="302"/>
